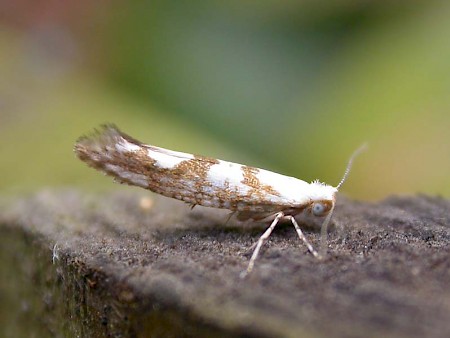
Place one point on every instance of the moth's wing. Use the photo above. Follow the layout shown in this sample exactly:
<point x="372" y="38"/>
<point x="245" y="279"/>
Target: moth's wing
<point x="190" y="178"/>
<point x="130" y="161"/>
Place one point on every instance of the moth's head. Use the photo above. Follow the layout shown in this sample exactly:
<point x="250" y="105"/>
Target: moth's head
<point x="322" y="207"/>
<point x="322" y="199"/>
<point x="323" y="196"/>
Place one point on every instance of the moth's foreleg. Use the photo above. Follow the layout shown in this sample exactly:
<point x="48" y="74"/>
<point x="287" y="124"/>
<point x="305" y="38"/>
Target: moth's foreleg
<point x="303" y="237"/>
<point x="260" y="242"/>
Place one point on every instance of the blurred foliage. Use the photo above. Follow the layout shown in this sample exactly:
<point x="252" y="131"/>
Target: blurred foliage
<point x="292" y="86"/>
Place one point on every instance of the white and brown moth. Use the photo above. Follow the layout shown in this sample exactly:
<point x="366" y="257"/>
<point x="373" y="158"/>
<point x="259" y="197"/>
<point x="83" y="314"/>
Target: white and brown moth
<point x="251" y="193"/>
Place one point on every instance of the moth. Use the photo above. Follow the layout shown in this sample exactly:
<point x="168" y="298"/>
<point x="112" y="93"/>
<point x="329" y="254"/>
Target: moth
<point x="250" y="193"/>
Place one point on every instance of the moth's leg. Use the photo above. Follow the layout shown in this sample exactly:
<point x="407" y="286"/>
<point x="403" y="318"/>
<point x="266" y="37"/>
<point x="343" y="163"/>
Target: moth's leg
<point x="302" y="237"/>
<point x="260" y="242"/>
<point x="267" y="219"/>
<point x="229" y="217"/>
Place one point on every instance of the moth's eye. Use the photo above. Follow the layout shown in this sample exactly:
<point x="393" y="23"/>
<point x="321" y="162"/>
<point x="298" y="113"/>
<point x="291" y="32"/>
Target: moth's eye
<point x="318" y="209"/>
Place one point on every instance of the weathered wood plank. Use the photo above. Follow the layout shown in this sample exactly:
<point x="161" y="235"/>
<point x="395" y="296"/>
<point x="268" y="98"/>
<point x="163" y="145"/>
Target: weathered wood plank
<point x="75" y="264"/>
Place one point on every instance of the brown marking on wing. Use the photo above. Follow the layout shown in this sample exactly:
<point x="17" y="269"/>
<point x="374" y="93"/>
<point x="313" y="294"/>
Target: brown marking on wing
<point x="185" y="181"/>
<point x="136" y="161"/>
<point x="228" y="197"/>
<point x="195" y="171"/>
<point x="250" y="178"/>
<point x="196" y="168"/>
<point x="257" y="190"/>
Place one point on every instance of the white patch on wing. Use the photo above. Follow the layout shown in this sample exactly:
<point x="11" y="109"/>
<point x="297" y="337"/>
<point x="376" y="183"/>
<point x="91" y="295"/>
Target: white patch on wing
<point x="291" y="189"/>
<point x="137" y="179"/>
<point x="227" y="175"/>
<point x="167" y="159"/>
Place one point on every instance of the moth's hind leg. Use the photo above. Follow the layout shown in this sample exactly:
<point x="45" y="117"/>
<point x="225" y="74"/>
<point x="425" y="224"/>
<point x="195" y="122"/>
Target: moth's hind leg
<point x="260" y="242"/>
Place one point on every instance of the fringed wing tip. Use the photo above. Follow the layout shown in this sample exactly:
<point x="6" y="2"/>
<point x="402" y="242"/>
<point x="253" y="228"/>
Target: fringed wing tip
<point x="105" y="131"/>
<point x="95" y="141"/>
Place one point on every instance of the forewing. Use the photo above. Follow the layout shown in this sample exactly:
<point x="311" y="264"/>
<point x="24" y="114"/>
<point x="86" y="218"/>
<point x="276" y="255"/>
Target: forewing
<point x="190" y="178"/>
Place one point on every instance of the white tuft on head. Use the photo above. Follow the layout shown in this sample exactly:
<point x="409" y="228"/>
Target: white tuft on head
<point x="321" y="191"/>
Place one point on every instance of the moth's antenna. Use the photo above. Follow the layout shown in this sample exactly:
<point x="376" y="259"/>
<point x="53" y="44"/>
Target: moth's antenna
<point x="324" y="228"/>
<point x="350" y="162"/>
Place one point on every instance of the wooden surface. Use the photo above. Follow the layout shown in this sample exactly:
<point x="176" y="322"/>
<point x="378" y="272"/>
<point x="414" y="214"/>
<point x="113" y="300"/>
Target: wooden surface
<point x="135" y="265"/>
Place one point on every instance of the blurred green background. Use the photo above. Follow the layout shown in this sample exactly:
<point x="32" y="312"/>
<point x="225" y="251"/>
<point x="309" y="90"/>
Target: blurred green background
<point x="291" y="86"/>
